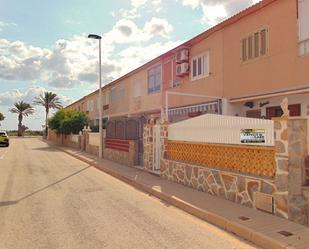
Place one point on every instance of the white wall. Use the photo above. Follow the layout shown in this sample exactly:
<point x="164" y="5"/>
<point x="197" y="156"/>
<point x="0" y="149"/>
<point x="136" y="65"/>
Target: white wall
<point x="231" y="109"/>
<point x="94" y="138"/>
<point x="212" y="128"/>
<point x="302" y="99"/>
<point x="74" y="138"/>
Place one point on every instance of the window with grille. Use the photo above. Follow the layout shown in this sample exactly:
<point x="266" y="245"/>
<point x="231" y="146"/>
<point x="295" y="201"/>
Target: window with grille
<point x="254" y="45"/>
<point x="200" y="66"/>
<point x="154" y="79"/>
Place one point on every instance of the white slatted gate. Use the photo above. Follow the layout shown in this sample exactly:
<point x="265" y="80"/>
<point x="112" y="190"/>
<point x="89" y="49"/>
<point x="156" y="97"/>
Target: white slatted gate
<point x="156" y="148"/>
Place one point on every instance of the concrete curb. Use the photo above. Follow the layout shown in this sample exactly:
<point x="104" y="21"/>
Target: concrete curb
<point x="219" y="221"/>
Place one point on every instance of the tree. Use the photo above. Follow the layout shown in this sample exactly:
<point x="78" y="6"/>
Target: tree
<point x="23" y="109"/>
<point x="1" y="118"/>
<point x="49" y="101"/>
<point x="68" y="121"/>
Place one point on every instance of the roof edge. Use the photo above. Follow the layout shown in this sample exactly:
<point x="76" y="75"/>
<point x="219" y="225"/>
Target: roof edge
<point x="229" y="21"/>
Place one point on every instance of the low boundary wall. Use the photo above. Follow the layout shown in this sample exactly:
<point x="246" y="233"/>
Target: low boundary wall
<point x="65" y="139"/>
<point x="235" y="187"/>
<point x="281" y="191"/>
<point x="121" y="151"/>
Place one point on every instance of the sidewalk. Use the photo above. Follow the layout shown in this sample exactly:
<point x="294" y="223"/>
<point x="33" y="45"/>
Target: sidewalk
<point x="256" y="226"/>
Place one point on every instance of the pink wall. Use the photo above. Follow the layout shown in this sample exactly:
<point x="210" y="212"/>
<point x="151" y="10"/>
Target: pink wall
<point x="281" y="68"/>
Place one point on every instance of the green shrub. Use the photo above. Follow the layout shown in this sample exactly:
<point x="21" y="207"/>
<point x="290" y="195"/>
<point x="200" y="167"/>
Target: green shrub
<point x="68" y="121"/>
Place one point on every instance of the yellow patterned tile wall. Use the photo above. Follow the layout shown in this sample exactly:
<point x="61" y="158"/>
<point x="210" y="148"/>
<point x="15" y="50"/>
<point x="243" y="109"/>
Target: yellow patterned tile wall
<point x="256" y="160"/>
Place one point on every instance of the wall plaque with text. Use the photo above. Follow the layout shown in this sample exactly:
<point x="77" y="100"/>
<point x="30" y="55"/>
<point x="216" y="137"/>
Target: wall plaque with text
<point x="252" y="136"/>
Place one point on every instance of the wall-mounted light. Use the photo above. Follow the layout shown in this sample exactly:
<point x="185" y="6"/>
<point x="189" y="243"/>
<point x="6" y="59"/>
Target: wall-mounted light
<point x="249" y="104"/>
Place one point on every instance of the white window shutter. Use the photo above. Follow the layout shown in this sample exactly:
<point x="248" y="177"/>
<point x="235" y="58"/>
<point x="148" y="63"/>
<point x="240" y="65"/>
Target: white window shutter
<point x="303" y="10"/>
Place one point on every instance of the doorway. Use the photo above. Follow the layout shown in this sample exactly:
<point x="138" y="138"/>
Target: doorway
<point x="276" y="111"/>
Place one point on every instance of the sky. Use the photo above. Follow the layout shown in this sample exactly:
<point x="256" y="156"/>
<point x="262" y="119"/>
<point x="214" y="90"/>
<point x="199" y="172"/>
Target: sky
<point x="44" y="44"/>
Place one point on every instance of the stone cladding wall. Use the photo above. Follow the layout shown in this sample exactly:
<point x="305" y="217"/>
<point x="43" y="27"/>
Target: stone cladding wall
<point x="123" y="157"/>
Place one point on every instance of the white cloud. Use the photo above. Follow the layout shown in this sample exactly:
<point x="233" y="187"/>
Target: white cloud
<point x="19" y="61"/>
<point x="135" y="56"/>
<point x="74" y="62"/>
<point x="137" y="6"/>
<point x="35" y="121"/>
<point x="4" y="25"/>
<point x="215" y="11"/>
<point x="138" y="3"/>
<point x="62" y="66"/>
<point x="158" y="26"/>
<point x="10" y="97"/>
<point x="126" y="31"/>
<point x="214" y="14"/>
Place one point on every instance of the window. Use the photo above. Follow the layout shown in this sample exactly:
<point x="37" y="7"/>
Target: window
<point x="117" y="94"/>
<point x="253" y="114"/>
<point x="303" y="20"/>
<point x="200" y="66"/>
<point x="113" y="95"/>
<point x="137" y="89"/>
<point x="303" y="48"/>
<point x="154" y="79"/>
<point x="254" y="45"/>
<point x="98" y="104"/>
<point x="263" y="42"/>
<point x="250" y="47"/>
<point x="276" y="111"/>
<point x="244" y="49"/>
<point x="106" y="98"/>
<point x="90" y="105"/>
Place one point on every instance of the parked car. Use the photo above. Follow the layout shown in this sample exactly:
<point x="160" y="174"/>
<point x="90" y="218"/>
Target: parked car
<point x="4" y="139"/>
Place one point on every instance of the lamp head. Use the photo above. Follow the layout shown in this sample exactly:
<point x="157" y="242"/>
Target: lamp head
<point x="93" y="36"/>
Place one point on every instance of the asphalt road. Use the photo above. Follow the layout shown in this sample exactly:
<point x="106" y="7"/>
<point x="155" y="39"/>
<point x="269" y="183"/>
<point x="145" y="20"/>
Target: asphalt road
<point x="50" y="200"/>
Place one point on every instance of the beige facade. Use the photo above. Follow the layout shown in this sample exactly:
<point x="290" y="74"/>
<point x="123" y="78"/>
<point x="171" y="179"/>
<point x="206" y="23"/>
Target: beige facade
<point x="245" y="66"/>
<point x="216" y="56"/>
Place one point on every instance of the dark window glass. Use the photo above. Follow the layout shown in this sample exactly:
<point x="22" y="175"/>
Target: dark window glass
<point x="244" y="49"/>
<point x="256" y="44"/>
<point x="194" y="68"/>
<point x="154" y="79"/>
<point x="250" y="47"/>
<point x="263" y="42"/>
<point x="199" y="63"/>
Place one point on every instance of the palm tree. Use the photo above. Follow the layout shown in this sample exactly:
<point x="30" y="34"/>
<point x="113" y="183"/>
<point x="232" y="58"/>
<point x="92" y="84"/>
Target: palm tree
<point x="50" y="101"/>
<point x="22" y="109"/>
<point x="1" y="118"/>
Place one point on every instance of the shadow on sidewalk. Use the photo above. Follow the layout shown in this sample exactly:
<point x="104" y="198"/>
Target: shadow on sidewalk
<point x="10" y="203"/>
<point x="49" y="149"/>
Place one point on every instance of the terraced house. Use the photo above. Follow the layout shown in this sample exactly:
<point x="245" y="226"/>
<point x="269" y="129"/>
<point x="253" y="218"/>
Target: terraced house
<point x="244" y="66"/>
<point x="249" y="76"/>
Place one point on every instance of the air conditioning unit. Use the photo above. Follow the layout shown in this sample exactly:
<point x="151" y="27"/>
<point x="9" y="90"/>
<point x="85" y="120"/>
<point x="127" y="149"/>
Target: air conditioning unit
<point x="182" y="56"/>
<point x="182" y="69"/>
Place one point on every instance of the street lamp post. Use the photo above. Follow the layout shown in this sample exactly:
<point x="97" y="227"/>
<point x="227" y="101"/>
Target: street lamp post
<point x="97" y="37"/>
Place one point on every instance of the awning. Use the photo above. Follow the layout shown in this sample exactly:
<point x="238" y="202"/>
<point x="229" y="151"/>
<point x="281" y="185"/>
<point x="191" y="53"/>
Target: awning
<point x="283" y="92"/>
<point x="208" y="107"/>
